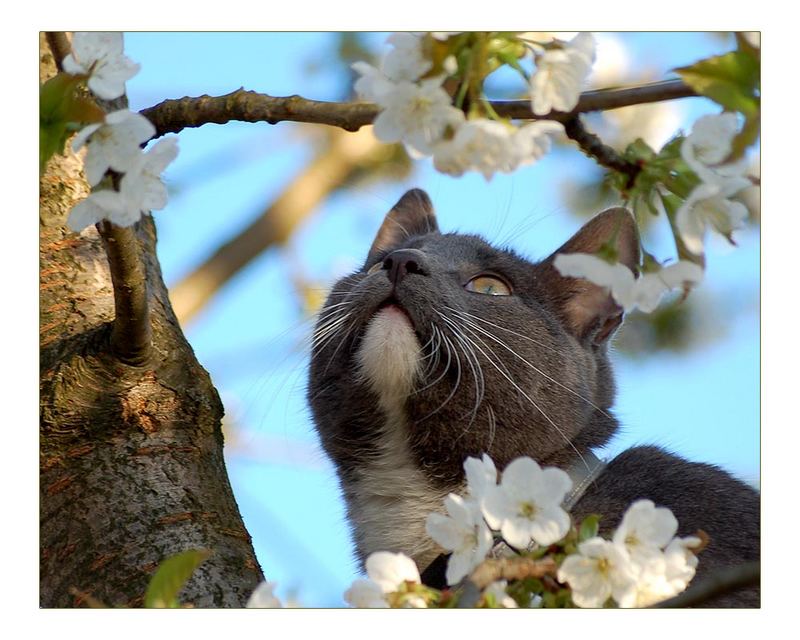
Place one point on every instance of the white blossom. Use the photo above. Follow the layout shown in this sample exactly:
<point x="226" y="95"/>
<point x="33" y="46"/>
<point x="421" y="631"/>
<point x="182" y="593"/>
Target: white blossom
<point x="681" y="561"/>
<point x="405" y="63"/>
<point x="99" y="205"/>
<point x="113" y="144"/>
<point x="600" y="569"/>
<point x="99" y="55"/>
<point x="708" y="205"/>
<point x="532" y="141"/>
<point x="390" y="570"/>
<point x="480" y="473"/>
<point x="264" y="598"/>
<point x="489" y="146"/>
<point x="366" y="594"/>
<point x="407" y="60"/>
<point x="526" y="505"/>
<point x="667" y="574"/>
<point x="709" y="144"/>
<point x="628" y="291"/>
<point x="141" y="187"/>
<point x="498" y="591"/>
<point x="560" y="74"/>
<point x="372" y="85"/>
<point x="417" y="114"/>
<point x="645" y="530"/>
<point x="387" y="572"/>
<point x="463" y="532"/>
<point x="141" y="190"/>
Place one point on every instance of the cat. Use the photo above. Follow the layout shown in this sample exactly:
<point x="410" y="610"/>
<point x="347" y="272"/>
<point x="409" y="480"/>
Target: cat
<point x="443" y="347"/>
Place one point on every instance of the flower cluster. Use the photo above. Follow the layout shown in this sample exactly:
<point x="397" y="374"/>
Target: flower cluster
<point x="644" y="292"/>
<point x="706" y="151"/>
<point x="115" y="144"/>
<point x="418" y="111"/>
<point x="644" y="562"/>
<point x="561" y="71"/>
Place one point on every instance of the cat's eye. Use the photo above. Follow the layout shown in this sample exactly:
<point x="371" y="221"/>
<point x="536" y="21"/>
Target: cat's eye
<point x="488" y="285"/>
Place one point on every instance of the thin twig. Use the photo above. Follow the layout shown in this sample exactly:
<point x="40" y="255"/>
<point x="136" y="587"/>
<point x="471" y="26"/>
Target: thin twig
<point x="172" y="116"/>
<point x="726" y="581"/>
<point x="131" y="333"/>
<point x="602" y="100"/>
<point x="597" y="149"/>
<point x="60" y="46"/>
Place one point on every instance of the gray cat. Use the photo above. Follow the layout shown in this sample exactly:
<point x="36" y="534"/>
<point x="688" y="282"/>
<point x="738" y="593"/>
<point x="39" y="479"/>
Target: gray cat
<point x="443" y="347"/>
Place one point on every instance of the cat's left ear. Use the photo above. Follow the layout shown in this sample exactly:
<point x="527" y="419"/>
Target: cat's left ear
<point x="412" y="216"/>
<point x="589" y="310"/>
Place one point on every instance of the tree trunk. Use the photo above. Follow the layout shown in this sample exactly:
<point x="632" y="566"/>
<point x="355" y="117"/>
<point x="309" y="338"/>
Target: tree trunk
<point x="131" y="464"/>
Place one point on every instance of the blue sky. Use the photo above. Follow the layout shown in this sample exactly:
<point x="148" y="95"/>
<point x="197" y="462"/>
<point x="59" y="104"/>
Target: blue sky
<point x="703" y="403"/>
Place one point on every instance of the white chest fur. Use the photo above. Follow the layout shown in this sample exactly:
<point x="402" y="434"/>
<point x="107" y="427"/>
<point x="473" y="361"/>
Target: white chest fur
<point x="390" y="499"/>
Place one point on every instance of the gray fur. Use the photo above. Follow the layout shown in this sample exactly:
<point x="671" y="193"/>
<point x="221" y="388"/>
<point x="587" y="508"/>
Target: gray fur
<point x="520" y="375"/>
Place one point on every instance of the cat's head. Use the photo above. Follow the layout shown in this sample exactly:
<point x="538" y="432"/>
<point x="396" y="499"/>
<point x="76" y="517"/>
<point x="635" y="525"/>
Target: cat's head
<point x="466" y="347"/>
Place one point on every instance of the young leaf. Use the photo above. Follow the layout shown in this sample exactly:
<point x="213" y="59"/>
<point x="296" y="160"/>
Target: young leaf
<point x="170" y="577"/>
<point x="746" y="137"/>
<point x="731" y="80"/>
<point x="589" y="527"/>
<point x="62" y="110"/>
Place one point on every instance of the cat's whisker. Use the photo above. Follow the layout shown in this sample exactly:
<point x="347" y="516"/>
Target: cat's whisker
<point x="458" y="380"/>
<point x="350" y="328"/>
<point x="492" y="426"/>
<point x="497" y="326"/>
<point x="529" y="399"/>
<point x="328" y="331"/>
<point x="444" y="371"/>
<point x="459" y="335"/>
<point x="532" y="366"/>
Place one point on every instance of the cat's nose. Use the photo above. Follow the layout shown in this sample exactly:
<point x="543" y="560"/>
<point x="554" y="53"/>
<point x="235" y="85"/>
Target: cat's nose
<point x="398" y="264"/>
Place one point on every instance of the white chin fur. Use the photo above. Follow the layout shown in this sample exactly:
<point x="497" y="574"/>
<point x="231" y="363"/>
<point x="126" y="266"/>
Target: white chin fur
<point x="389" y="356"/>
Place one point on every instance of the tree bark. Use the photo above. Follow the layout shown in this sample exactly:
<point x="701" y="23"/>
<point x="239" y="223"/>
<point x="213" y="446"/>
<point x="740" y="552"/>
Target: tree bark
<point x="131" y="463"/>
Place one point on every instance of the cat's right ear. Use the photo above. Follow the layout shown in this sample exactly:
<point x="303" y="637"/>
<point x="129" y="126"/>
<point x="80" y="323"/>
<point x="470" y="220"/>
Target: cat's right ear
<point x="588" y="309"/>
<point x="412" y="216"/>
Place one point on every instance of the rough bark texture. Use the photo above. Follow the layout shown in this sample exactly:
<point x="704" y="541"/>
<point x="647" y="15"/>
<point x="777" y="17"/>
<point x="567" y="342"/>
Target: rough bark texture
<point x="131" y="467"/>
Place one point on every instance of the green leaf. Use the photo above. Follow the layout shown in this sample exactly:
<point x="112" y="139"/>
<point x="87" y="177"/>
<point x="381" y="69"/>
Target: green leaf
<point x="52" y="139"/>
<point x="62" y="110"/>
<point x="732" y="80"/>
<point x="589" y="527"/>
<point x="171" y="576"/>
<point x="53" y="95"/>
<point x="746" y="137"/>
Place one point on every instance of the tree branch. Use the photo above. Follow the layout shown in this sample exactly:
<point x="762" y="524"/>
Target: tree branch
<point x="59" y="45"/>
<point x="172" y="116"/>
<point x="745" y="575"/>
<point x="602" y="153"/>
<point x="131" y="333"/>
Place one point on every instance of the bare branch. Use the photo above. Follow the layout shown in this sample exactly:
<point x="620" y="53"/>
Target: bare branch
<point x="172" y="116"/>
<point x="59" y="45"/>
<point x="131" y="332"/>
<point x="594" y="147"/>
<point x="602" y="100"/>
<point x="726" y="581"/>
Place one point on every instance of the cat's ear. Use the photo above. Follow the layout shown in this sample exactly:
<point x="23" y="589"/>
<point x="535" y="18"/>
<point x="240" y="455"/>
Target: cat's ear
<point x="589" y="310"/>
<point x="411" y="216"/>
